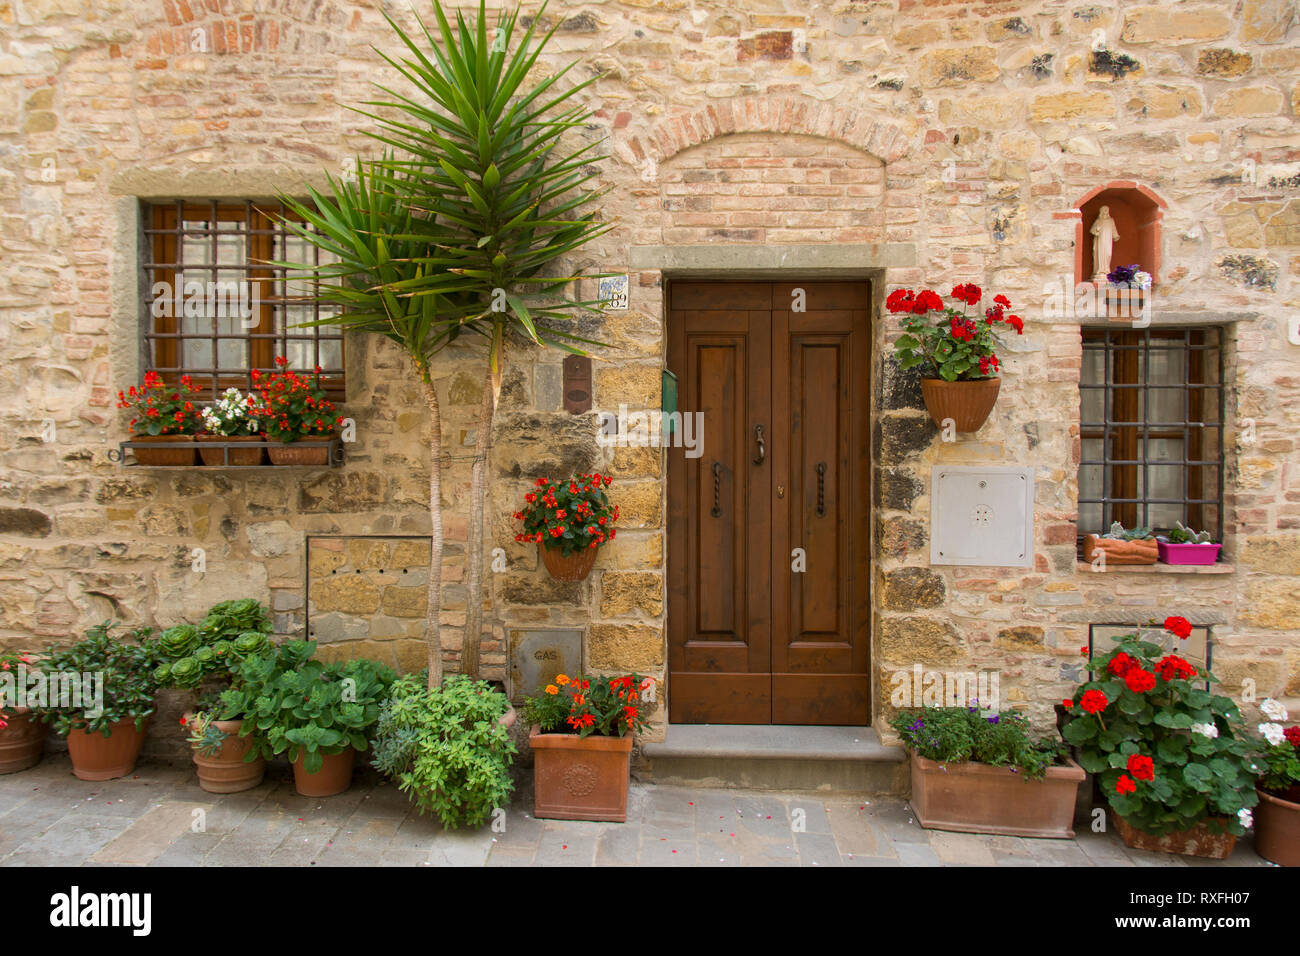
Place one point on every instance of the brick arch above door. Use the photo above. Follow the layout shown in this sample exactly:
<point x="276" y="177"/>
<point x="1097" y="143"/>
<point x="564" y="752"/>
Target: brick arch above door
<point x="883" y="137"/>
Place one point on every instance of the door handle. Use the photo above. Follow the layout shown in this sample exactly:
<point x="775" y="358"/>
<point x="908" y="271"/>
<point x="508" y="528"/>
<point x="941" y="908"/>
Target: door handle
<point x="821" y="489"/>
<point x="717" y="482"/>
<point x="762" y="448"/>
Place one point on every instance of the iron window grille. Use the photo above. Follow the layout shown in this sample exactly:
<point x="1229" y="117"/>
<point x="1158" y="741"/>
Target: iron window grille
<point x="1151" y="426"/>
<point x="214" y="307"/>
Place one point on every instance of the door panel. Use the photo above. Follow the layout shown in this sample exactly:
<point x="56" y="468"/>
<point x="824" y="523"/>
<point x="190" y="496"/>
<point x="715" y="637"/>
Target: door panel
<point x="750" y="639"/>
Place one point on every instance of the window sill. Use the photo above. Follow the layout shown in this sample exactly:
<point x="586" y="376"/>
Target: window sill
<point x="1158" y="568"/>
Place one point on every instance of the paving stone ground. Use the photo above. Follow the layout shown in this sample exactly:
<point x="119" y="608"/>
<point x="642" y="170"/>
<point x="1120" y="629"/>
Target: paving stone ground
<point x="159" y="816"/>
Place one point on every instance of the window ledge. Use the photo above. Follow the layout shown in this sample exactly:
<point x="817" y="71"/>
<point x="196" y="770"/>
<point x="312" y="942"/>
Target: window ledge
<point x="1158" y="568"/>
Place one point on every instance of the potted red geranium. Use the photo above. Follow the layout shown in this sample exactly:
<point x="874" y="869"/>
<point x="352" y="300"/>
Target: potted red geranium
<point x="165" y="415"/>
<point x="1165" y="750"/>
<point x="569" y="520"/>
<point x="957" y="347"/>
<point x="295" y="412"/>
<point x="21" y="738"/>
<point x="581" y="738"/>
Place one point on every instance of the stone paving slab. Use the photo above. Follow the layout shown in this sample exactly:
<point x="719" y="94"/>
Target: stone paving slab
<point x="160" y="817"/>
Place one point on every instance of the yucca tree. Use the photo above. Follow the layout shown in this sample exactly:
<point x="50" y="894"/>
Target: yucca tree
<point x="507" y="193"/>
<point x="460" y="226"/>
<point x="379" y="249"/>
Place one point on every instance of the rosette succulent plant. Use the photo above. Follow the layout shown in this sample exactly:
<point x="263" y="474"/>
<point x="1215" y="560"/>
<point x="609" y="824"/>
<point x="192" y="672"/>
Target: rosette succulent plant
<point x="230" y="632"/>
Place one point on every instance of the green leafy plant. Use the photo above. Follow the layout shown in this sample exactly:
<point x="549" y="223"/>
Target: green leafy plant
<point x="293" y="407"/>
<point x="1181" y="534"/>
<point x="203" y="733"/>
<point x="231" y="631"/>
<point x="446" y="748"/>
<point x="292" y="704"/>
<point x="569" y="516"/>
<point x="961" y="734"/>
<point x="1166" y="751"/>
<point x="463" y="226"/>
<point x="1117" y="532"/>
<point x="122" y="669"/>
<point x="604" y="706"/>
<point x="160" y="408"/>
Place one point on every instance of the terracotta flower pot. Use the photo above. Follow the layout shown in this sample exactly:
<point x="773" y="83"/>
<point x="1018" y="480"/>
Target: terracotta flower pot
<point x="1198" y="841"/>
<point x="572" y="567"/>
<point x="96" y="757"/>
<point x="1142" y="551"/>
<point x="164" y="457"/>
<point x="576" y="778"/>
<point x="980" y="798"/>
<point x="21" y="740"/>
<point x="299" y="452"/>
<point x="226" y="771"/>
<point x="216" y="457"/>
<point x="1277" y="829"/>
<point x="968" y="404"/>
<point x="334" y="776"/>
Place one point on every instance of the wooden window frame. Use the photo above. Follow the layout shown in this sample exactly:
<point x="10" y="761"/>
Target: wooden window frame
<point x="1125" y="429"/>
<point x="162" y="337"/>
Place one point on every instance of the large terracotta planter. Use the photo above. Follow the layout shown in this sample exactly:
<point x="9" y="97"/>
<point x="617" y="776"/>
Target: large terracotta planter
<point x="572" y="567"/>
<point x="303" y="452"/>
<point x="96" y="757"/>
<point x="21" y="740"/>
<point x="1118" y="551"/>
<point x="980" y="798"/>
<point x="968" y="404"/>
<point x="1277" y="829"/>
<point x="576" y="778"/>
<point x="216" y="457"/>
<point x="334" y="776"/>
<point x="226" y="771"/>
<point x="1198" y="841"/>
<point x="164" y="457"/>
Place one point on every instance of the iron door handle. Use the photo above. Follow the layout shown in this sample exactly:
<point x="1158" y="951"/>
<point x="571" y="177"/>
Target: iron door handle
<point x="762" y="448"/>
<point x="821" y="489"/>
<point x="717" y="482"/>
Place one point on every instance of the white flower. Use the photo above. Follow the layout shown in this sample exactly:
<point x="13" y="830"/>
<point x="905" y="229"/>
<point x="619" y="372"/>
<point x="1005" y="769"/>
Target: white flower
<point x="1142" y="279"/>
<point x="1206" y="730"/>
<point x="1272" y="709"/>
<point x="1245" y="818"/>
<point x="1273" y="733"/>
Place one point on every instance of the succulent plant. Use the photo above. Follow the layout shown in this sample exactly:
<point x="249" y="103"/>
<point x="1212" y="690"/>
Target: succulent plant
<point x="1118" y="533"/>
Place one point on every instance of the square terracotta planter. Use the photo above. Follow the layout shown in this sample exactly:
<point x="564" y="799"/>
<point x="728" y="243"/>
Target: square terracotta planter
<point x="979" y="798"/>
<point x="1198" y="841"/>
<point x="580" y="778"/>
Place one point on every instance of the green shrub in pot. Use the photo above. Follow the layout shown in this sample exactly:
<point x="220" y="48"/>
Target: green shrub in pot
<point x="124" y="667"/>
<point x="446" y="747"/>
<point x="294" y="705"/>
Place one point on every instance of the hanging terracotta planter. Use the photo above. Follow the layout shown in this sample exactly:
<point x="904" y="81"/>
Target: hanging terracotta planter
<point x="216" y="457"/>
<point x="334" y="776"/>
<point x="300" y="453"/>
<point x="21" y="740"/>
<point x="567" y="567"/>
<point x="1198" y="841"/>
<point x="1277" y="827"/>
<point x="96" y="757"/>
<point x="580" y="778"/>
<point x="163" y="457"/>
<point x="226" y="771"/>
<point x="967" y="404"/>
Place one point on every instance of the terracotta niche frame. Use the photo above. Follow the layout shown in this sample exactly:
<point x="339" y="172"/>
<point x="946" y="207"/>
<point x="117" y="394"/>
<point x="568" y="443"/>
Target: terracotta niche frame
<point x="1137" y="212"/>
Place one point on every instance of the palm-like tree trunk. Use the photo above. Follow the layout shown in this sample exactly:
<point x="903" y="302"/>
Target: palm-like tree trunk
<point x="432" y="631"/>
<point x="474" y="558"/>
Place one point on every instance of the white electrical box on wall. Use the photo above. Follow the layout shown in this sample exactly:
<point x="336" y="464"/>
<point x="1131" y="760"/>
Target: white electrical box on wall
<point x="982" y="515"/>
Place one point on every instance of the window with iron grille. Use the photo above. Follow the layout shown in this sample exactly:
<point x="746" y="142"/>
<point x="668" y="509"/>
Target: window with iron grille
<point x="215" y="307"/>
<point x="1151" y="424"/>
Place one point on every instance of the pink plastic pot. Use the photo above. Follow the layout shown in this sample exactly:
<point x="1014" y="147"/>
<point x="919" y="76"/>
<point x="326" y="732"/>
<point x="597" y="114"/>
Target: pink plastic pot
<point x="1188" y="553"/>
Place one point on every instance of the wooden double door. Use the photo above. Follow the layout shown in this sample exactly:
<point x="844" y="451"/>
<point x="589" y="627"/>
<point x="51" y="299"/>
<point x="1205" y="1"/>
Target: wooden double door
<point x="769" y="528"/>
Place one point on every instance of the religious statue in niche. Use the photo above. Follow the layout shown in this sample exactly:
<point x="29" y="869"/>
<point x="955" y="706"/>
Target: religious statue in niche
<point x="1105" y="235"/>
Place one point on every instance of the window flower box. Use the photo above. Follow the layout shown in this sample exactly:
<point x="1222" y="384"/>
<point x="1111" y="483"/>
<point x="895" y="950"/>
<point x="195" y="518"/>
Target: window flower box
<point x="1187" y="552"/>
<point x="234" y="453"/>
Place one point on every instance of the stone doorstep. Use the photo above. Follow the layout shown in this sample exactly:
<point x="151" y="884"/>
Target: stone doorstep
<point x="840" y="759"/>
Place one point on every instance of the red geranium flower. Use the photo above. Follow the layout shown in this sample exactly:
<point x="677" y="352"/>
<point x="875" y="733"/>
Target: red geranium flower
<point x="1121" y="664"/>
<point x="1180" y="627"/>
<point x="1292" y="735"/>
<point x="900" y="300"/>
<point x="1125" y="784"/>
<point x="1173" y="667"/>
<point x="967" y="292"/>
<point x="1143" y="768"/>
<point x="1139" y="681"/>
<point x="1093" y="701"/>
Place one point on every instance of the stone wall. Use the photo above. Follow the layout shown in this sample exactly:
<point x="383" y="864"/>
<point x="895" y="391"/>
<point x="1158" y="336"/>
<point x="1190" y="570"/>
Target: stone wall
<point x="964" y="133"/>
